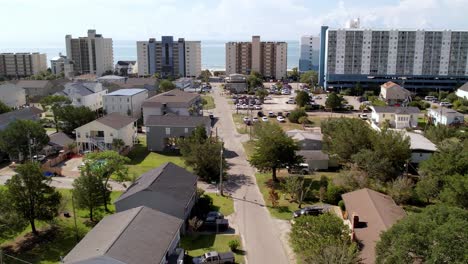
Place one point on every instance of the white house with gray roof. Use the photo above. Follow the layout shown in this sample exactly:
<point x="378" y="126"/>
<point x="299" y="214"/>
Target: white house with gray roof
<point x="445" y="116"/>
<point x="87" y="94"/>
<point x="125" y="101"/>
<point x="138" y="235"/>
<point x="462" y="92"/>
<point x="398" y="117"/>
<point x="101" y="133"/>
<point x="421" y="147"/>
<point x="167" y="188"/>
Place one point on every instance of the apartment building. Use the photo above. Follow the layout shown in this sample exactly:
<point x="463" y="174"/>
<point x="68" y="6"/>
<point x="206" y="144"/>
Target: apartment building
<point x="413" y="58"/>
<point x="267" y="58"/>
<point x="17" y="65"/>
<point x="169" y="57"/>
<point x="91" y="54"/>
<point x="310" y="52"/>
<point x="61" y="64"/>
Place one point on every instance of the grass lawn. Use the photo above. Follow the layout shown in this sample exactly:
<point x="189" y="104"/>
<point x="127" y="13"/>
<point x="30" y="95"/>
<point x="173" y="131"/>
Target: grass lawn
<point x="197" y="244"/>
<point x="286" y="126"/>
<point x="240" y="126"/>
<point x="60" y="241"/>
<point x="143" y="160"/>
<point x="210" y="104"/>
<point x="285" y="207"/>
<point x="223" y="204"/>
<point x="249" y="147"/>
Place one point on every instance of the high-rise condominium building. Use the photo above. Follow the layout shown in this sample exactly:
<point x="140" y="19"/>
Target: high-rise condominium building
<point x="15" y="65"/>
<point x="92" y="54"/>
<point x="267" y="58"/>
<point x="167" y="57"/>
<point x="414" y="58"/>
<point x="310" y="52"/>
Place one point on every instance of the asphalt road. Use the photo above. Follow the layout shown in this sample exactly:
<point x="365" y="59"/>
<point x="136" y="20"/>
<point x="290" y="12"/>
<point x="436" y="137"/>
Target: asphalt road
<point x="260" y="235"/>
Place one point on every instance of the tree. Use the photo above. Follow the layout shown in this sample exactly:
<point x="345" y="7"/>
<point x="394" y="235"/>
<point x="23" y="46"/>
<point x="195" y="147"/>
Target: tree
<point x="437" y="134"/>
<point x="273" y="196"/>
<point x="54" y="103"/>
<point x="4" y="108"/>
<point x="427" y="188"/>
<point x="449" y="160"/>
<point x="31" y="196"/>
<point x="294" y="75"/>
<point x="105" y="164"/>
<point x="401" y="189"/>
<point x="203" y="155"/>
<point x="436" y="235"/>
<point x="11" y="222"/>
<point x="166" y="85"/>
<point x="309" y="77"/>
<point x="261" y="93"/>
<point x="302" y="98"/>
<point x="73" y="117"/>
<point x="205" y="75"/>
<point x="455" y="191"/>
<point x="273" y="149"/>
<point x="345" y="137"/>
<point x="254" y="81"/>
<point x="118" y="144"/>
<point x="296" y="114"/>
<point x="23" y="138"/>
<point x="333" y="101"/>
<point x="358" y="91"/>
<point x="311" y="235"/>
<point x="88" y="191"/>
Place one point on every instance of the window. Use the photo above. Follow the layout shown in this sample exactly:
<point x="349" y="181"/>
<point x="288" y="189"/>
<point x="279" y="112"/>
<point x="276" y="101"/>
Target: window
<point x="78" y="135"/>
<point x="111" y="134"/>
<point x="168" y="130"/>
<point x="186" y="130"/>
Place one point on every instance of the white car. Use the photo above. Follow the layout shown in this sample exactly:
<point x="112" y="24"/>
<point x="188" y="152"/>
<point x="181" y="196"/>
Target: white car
<point x="280" y="119"/>
<point x="39" y="157"/>
<point x="291" y="101"/>
<point x="257" y="107"/>
<point x="265" y="119"/>
<point x="255" y="119"/>
<point x="246" y="119"/>
<point x="363" y="116"/>
<point x="447" y="104"/>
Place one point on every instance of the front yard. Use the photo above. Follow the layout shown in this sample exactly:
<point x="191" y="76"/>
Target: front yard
<point x="197" y="244"/>
<point x="210" y="104"/>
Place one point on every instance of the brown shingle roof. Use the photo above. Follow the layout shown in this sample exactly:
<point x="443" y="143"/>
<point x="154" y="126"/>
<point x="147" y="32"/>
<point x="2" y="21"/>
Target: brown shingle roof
<point x="173" y="98"/>
<point x="377" y="212"/>
<point x="116" y="120"/>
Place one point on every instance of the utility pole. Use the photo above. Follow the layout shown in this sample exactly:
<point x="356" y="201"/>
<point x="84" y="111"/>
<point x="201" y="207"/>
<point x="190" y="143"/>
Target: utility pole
<point x="221" y="170"/>
<point x="29" y="146"/>
<point x="74" y="218"/>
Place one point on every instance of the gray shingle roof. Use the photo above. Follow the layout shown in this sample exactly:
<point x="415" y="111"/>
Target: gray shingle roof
<point x="175" y="120"/>
<point x="116" y="120"/>
<point x="310" y="155"/>
<point x="173" y="98"/>
<point x="302" y="134"/>
<point x="396" y="110"/>
<point x="83" y="88"/>
<point x="168" y="179"/>
<point x="25" y="113"/>
<point x="33" y="84"/>
<point x="139" y="235"/>
<point x="60" y="139"/>
<point x="464" y="87"/>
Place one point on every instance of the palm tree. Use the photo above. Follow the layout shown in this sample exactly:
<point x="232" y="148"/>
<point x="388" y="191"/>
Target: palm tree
<point x="117" y="144"/>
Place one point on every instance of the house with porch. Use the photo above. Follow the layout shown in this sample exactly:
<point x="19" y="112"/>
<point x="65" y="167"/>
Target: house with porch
<point x="103" y="133"/>
<point x="445" y="116"/>
<point x="125" y="101"/>
<point x="138" y="235"/>
<point x="397" y="117"/>
<point x="394" y="94"/>
<point x="175" y="102"/>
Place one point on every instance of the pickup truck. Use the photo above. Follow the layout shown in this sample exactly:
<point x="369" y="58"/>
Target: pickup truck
<point x="215" y="257"/>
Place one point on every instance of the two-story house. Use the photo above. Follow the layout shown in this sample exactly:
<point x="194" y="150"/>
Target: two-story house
<point x="397" y="117"/>
<point x="462" y="91"/>
<point x="445" y="116"/>
<point x="394" y="94"/>
<point x="36" y="88"/>
<point x="102" y="133"/>
<point x="27" y="113"/>
<point x="12" y="95"/>
<point x="175" y="101"/>
<point x="125" y="101"/>
<point x="87" y="94"/>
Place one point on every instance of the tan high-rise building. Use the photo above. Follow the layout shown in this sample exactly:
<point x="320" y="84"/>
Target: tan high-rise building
<point x="15" y="65"/>
<point x="267" y="58"/>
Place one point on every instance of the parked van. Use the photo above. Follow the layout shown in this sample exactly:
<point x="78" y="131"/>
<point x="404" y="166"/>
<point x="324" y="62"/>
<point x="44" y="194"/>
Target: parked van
<point x="429" y="98"/>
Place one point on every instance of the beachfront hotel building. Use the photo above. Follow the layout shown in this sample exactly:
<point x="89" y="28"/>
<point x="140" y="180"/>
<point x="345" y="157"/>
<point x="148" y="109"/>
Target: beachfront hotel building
<point x="92" y="54"/>
<point x="310" y="52"/>
<point x="435" y="59"/>
<point x="17" y="65"/>
<point x="267" y="58"/>
<point x="167" y="57"/>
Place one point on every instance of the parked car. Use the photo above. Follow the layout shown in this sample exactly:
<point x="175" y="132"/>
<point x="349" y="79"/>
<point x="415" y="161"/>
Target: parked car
<point x="363" y="116"/>
<point x="215" y="257"/>
<point x="280" y="119"/>
<point x="286" y="114"/>
<point x="280" y="114"/>
<point x="257" y="107"/>
<point x="271" y="114"/>
<point x="291" y="101"/>
<point x="210" y="114"/>
<point x="217" y="225"/>
<point x="255" y="119"/>
<point x="302" y="168"/>
<point x="446" y="104"/>
<point x="260" y="114"/>
<point x="311" y="210"/>
<point x="429" y="98"/>
<point x="265" y="119"/>
<point x="267" y="98"/>
<point x="39" y="157"/>
<point x="214" y="215"/>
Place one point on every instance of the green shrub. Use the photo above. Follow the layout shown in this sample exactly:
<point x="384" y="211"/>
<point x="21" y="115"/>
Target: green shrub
<point x="234" y="245"/>
<point x="334" y="192"/>
<point x="296" y="114"/>
<point x="342" y="205"/>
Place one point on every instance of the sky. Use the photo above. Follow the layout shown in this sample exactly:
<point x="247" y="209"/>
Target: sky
<point x="39" y="21"/>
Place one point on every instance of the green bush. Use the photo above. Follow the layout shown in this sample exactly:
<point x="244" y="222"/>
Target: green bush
<point x="234" y="245"/>
<point x="334" y="192"/>
<point x="342" y="205"/>
<point x="296" y="114"/>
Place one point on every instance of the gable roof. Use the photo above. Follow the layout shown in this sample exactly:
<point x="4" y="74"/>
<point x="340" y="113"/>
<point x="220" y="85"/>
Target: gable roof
<point x="395" y="91"/>
<point x="464" y="87"/>
<point x="173" y="98"/>
<point x="60" y="139"/>
<point x="138" y="83"/>
<point x="175" y="120"/>
<point x="25" y="113"/>
<point x="396" y="110"/>
<point x="302" y="135"/>
<point x="444" y="111"/>
<point x="167" y="179"/>
<point x="311" y="155"/>
<point x="378" y="211"/>
<point x="138" y="235"/>
<point x="41" y="84"/>
<point x="419" y="142"/>
<point x="126" y="92"/>
<point x="82" y="88"/>
<point x="116" y="120"/>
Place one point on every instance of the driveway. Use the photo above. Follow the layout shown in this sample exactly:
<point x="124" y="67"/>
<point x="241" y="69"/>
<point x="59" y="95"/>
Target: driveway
<point x="261" y="237"/>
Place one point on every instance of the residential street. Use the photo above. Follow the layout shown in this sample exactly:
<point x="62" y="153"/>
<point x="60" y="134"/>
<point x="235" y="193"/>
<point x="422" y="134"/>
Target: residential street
<point x="261" y="237"/>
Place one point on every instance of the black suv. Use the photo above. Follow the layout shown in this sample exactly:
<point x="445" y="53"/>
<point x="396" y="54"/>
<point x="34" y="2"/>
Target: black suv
<point x="311" y="210"/>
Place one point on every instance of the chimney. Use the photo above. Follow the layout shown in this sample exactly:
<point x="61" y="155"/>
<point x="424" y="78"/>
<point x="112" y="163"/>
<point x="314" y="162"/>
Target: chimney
<point x="355" y="220"/>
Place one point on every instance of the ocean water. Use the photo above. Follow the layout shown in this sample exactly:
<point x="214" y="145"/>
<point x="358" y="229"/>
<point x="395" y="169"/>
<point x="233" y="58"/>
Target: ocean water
<point x="213" y="52"/>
